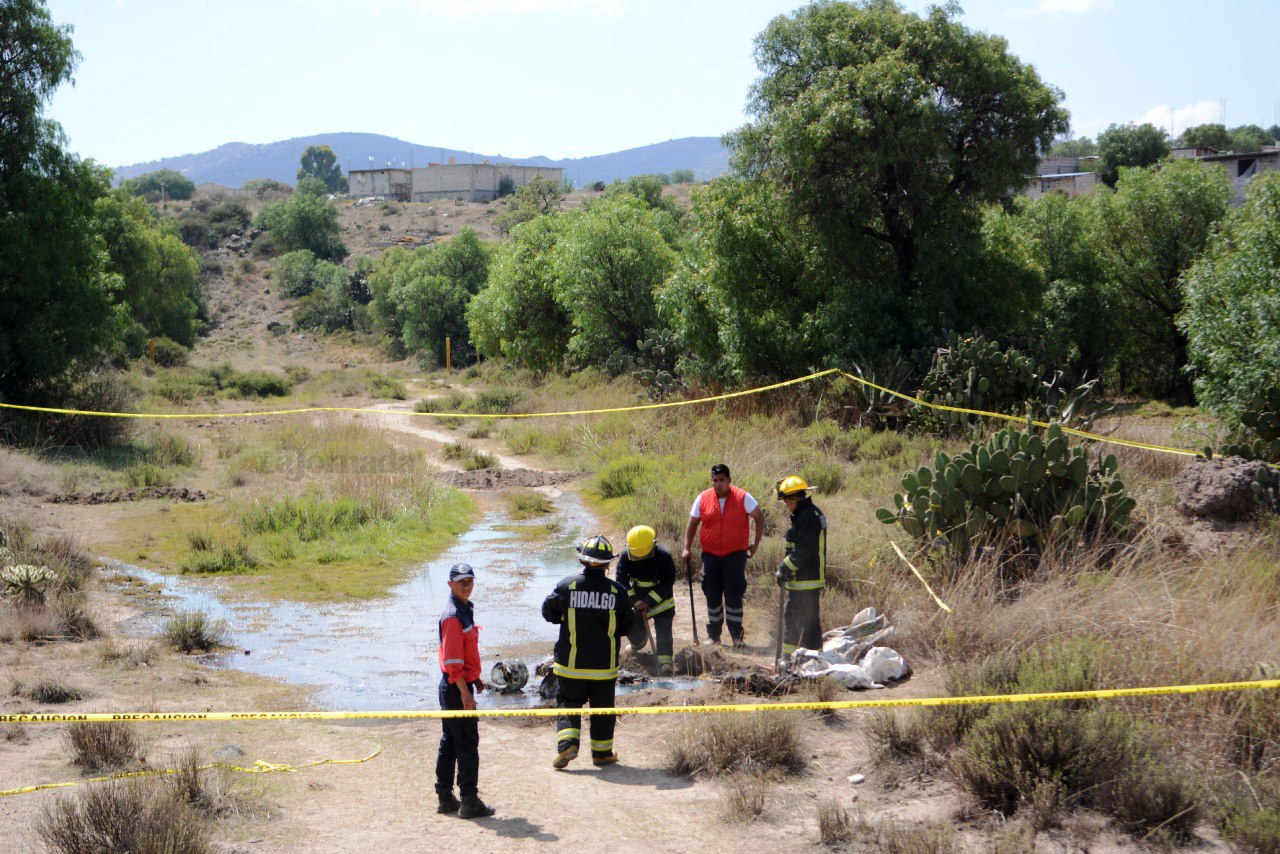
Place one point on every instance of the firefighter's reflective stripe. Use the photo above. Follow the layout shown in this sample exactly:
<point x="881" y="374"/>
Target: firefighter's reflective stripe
<point x="665" y="659"/>
<point x="602" y="745"/>
<point x="788" y="648"/>
<point x="454" y="661"/>
<point x="573" y="633"/>
<point x="811" y="583"/>
<point x="580" y="673"/>
<point x="645" y="583"/>
<point x="569" y="734"/>
<point x="613" y="647"/>
<point x="660" y="609"/>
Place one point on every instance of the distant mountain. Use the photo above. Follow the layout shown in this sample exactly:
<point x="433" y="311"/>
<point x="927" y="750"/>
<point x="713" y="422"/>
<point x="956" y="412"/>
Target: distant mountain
<point x="236" y="162"/>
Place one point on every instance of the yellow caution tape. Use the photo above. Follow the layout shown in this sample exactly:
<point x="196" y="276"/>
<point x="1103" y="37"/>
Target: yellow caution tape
<point x="1048" y="696"/>
<point x="311" y="409"/>
<point x="1084" y="434"/>
<point x="941" y="604"/>
<point x="259" y="767"/>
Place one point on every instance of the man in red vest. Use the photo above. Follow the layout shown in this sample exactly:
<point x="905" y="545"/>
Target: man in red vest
<point x="724" y="512"/>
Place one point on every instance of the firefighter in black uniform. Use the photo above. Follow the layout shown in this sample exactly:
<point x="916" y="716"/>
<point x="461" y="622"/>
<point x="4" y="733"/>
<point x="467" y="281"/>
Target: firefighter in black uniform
<point x="648" y="573"/>
<point x="593" y="612"/>
<point x="803" y="571"/>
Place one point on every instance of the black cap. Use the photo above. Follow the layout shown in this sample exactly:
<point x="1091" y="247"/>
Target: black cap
<point x="721" y="468"/>
<point x="461" y="570"/>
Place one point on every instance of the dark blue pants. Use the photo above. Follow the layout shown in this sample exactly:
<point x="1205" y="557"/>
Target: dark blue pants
<point x="459" y="746"/>
<point x="724" y="581"/>
<point x="574" y="694"/>
<point x="802" y="624"/>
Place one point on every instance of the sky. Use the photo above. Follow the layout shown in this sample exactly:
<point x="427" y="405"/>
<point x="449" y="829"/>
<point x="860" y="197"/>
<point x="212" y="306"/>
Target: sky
<point x="571" y="78"/>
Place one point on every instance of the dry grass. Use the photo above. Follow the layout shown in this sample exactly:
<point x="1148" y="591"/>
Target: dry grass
<point x="834" y="824"/>
<point x="100" y="746"/>
<point x="129" y="655"/>
<point x="194" y="631"/>
<point x="891" y="836"/>
<point x="129" y="816"/>
<point x="45" y="690"/>
<point x="744" y="798"/>
<point x="724" y="744"/>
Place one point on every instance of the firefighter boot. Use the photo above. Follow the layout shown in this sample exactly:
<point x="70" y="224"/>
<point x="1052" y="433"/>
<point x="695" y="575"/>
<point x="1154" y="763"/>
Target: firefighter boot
<point x="564" y="757"/>
<point x="473" y="807"/>
<point x="448" y="803"/>
<point x="607" y="759"/>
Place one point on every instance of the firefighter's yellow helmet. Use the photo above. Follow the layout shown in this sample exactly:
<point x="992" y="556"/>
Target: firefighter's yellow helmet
<point x="792" y="486"/>
<point x="640" y="541"/>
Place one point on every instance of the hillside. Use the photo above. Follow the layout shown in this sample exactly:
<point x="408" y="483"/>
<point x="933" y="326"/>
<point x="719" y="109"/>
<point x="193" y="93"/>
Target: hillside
<point x="236" y="162"/>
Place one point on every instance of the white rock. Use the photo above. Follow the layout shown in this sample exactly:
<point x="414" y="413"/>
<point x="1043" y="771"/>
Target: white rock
<point x="855" y="779"/>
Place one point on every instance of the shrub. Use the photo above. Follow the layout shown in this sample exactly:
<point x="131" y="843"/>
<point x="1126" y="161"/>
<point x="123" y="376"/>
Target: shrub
<point x="169" y="449"/>
<point x="1017" y="483"/>
<point x="122" y="816"/>
<point x="896" y="738"/>
<point x="1252" y="830"/>
<point x="743" y="799"/>
<point x="192" y="631"/>
<point x="834" y="825"/>
<point x="526" y="505"/>
<point x="25" y="585"/>
<point x="498" y="401"/>
<point x="480" y="460"/>
<point x="169" y="353"/>
<point x="71" y="612"/>
<point x="826" y="476"/>
<point x="750" y="743"/>
<point x="98" y="746"/>
<point x="622" y="476"/>
<point x="382" y="386"/>
<point x="261" y="384"/>
<point x="232" y="559"/>
<point x="141" y="475"/>
<point x="293" y="273"/>
<point x="1257" y="437"/>
<point x="45" y="690"/>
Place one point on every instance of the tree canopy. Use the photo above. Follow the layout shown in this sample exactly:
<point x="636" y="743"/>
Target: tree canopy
<point x="161" y="184"/>
<point x="304" y="221"/>
<point x="1213" y="136"/>
<point x="319" y="162"/>
<point x="888" y="131"/>
<point x="1129" y="145"/>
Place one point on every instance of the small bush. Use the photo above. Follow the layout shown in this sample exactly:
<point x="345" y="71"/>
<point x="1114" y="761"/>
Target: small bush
<point x="133" y="655"/>
<point x="261" y="384"/>
<point x="99" y="746"/>
<point x="169" y="353"/>
<point x="122" y="816"/>
<point x="194" y="631"/>
<point x="234" y="558"/>
<point x="1256" y="831"/>
<point x="723" y="744"/>
<point x="499" y="401"/>
<point x="526" y="505"/>
<point x="895" y="738"/>
<point x="744" y="799"/>
<point x="71" y="612"/>
<point x="622" y="476"/>
<point x="169" y="449"/>
<point x="826" y="476"/>
<point x="387" y="387"/>
<point x="481" y="430"/>
<point x="142" y="475"/>
<point x="834" y="824"/>
<point x="45" y="690"/>
<point x="480" y="460"/>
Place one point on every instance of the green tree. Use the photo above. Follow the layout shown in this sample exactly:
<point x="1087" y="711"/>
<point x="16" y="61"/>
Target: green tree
<point x="419" y="298"/>
<point x="1232" y="314"/>
<point x="517" y="315"/>
<point x="304" y="221"/>
<point x="683" y="176"/>
<point x="1129" y="145"/>
<point x="56" y="297"/>
<point x="159" y="274"/>
<point x="1246" y="138"/>
<point x="506" y="186"/>
<point x="161" y="184"/>
<point x="1148" y="233"/>
<point x="1213" y="136"/>
<point x="1082" y="147"/>
<point x="889" y="132"/>
<point x="608" y="264"/>
<point x="319" y="162"/>
<point x="1274" y="133"/>
<point x="537" y="198"/>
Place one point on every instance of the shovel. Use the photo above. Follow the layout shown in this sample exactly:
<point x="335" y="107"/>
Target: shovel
<point x="782" y="616"/>
<point x="693" y="612"/>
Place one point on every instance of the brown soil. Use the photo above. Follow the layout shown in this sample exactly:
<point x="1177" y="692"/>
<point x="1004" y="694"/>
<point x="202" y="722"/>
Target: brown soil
<point x="115" y="496"/>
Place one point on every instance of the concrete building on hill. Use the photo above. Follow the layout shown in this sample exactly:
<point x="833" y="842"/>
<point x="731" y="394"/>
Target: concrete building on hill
<point x="470" y="182"/>
<point x="1241" y="168"/>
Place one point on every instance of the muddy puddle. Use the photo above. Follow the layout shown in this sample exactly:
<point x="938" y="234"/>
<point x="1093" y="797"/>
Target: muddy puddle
<point x="382" y="654"/>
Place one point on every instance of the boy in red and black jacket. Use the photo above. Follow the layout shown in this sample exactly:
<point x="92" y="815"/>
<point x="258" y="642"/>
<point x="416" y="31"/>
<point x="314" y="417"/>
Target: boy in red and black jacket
<point x="460" y="676"/>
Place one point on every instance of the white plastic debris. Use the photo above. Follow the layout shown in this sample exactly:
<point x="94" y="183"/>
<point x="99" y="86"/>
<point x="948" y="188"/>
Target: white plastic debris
<point x="883" y="664"/>
<point x="850" y="656"/>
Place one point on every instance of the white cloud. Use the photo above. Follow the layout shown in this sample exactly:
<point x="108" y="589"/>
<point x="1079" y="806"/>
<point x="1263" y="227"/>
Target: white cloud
<point x="1059" y="8"/>
<point x="1199" y="113"/>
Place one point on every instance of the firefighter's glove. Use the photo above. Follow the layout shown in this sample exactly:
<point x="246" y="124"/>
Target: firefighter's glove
<point x="783" y="575"/>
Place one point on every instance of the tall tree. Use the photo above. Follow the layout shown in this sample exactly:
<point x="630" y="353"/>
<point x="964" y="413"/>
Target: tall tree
<point x="161" y="184"/>
<point x="1249" y="138"/>
<point x="319" y="162"/>
<point x="1082" y="147"/>
<point x="889" y="132"/>
<point x="1149" y="232"/>
<point x="1129" y="146"/>
<point x="55" y="297"/>
<point x="1213" y="136"/>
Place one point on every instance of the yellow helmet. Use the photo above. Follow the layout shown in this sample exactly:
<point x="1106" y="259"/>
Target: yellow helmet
<point x="792" y="486"/>
<point x="640" y="541"/>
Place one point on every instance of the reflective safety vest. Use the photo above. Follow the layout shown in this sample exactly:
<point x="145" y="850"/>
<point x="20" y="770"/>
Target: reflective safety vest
<point x="728" y="532"/>
<point x="593" y="612"/>
<point x="459" y="641"/>
<point x="651" y="579"/>
<point x="807" y="548"/>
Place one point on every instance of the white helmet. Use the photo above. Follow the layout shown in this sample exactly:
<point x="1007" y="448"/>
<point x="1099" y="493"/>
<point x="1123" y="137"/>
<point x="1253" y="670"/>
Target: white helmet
<point x="509" y="677"/>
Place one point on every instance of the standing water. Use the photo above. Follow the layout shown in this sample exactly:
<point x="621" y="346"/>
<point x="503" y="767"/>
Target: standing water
<point x="382" y="654"/>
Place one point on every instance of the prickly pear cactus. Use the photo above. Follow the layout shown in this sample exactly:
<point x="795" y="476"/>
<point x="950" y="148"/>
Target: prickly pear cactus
<point x="656" y="365"/>
<point x="975" y="373"/>
<point x="1258" y="436"/>
<point x="1266" y="490"/>
<point x="1018" y="482"/>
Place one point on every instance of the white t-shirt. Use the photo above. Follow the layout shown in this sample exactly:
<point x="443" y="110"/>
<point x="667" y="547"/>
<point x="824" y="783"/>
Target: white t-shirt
<point x="748" y="502"/>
